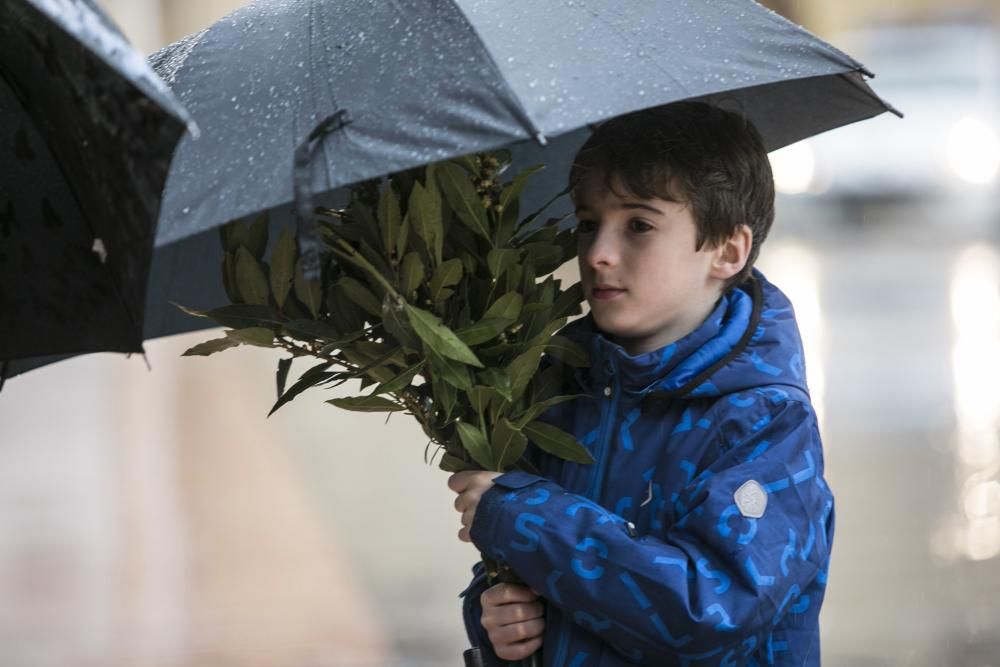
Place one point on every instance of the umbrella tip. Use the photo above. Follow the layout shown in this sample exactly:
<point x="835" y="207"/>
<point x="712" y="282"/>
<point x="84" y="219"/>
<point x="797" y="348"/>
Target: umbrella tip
<point x="540" y="138"/>
<point x="193" y="129"/>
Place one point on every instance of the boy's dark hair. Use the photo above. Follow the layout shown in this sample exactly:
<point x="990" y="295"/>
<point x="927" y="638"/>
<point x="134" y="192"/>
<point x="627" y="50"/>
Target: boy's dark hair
<point x="688" y="152"/>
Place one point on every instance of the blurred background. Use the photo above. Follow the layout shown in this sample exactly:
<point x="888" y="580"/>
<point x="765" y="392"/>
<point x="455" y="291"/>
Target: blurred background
<point x="156" y="518"/>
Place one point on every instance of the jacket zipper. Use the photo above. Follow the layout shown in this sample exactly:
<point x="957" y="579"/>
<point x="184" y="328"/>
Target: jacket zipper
<point x="608" y="411"/>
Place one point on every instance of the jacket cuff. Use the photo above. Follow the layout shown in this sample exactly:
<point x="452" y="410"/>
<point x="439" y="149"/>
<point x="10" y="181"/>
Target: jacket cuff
<point x="505" y="488"/>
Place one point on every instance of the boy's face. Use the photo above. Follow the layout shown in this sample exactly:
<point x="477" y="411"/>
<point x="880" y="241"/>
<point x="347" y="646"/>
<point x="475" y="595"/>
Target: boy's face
<point x="646" y="284"/>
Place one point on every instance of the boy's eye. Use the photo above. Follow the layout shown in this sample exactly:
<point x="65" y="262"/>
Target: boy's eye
<point x="586" y="226"/>
<point x="639" y="226"/>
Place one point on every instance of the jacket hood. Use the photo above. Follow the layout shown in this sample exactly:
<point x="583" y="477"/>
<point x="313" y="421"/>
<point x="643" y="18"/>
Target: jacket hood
<point x="750" y="340"/>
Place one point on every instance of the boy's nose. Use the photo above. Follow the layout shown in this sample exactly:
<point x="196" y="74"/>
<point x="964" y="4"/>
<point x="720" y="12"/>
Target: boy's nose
<point x="603" y="250"/>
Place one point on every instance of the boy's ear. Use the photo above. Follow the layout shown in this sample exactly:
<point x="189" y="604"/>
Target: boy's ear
<point x="731" y="255"/>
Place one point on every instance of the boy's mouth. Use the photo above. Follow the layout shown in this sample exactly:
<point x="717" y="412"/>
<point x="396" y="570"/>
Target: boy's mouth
<point x="604" y="292"/>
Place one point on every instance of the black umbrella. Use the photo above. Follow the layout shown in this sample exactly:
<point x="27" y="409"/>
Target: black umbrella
<point x="324" y="94"/>
<point x="87" y="132"/>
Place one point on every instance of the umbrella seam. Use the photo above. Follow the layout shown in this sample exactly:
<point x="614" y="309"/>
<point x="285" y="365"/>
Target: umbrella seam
<point x="821" y="43"/>
<point x="520" y="113"/>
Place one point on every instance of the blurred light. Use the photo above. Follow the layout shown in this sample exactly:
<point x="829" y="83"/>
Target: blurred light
<point x="982" y="500"/>
<point x="796" y="270"/>
<point x="973" y="150"/>
<point x="975" y="310"/>
<point x="793" y="167"/>
<point x="982" y="540"/>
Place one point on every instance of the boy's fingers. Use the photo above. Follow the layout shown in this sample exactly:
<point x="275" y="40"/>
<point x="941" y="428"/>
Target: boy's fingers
<point x="519" y="612"/>
<point x="520" y="650"/>
<point x="506" y="594"/>
<point x="519" y="632"/>
<point x="458" y="481"/>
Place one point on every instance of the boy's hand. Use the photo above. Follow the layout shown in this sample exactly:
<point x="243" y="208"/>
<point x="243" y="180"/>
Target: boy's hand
<point x="470" y="486"/>
<point x="513" y="618"/>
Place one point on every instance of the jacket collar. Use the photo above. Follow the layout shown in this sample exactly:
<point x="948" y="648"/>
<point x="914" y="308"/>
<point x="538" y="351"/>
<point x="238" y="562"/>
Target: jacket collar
<point x="671" y="367"/>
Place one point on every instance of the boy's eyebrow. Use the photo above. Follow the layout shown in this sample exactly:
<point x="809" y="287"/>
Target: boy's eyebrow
<point x="628" y="206"/>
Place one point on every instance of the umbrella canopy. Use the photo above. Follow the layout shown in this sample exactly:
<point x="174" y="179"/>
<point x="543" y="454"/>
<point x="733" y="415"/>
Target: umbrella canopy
<point x="87" y="130"/>
<point x="423" y="80"/>
<point x="356" y="89"/>
<point x="409" y="82"/>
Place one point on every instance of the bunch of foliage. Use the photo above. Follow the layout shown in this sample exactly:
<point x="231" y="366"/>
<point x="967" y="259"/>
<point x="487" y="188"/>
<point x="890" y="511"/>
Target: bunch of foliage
<point x="435" y="294"/>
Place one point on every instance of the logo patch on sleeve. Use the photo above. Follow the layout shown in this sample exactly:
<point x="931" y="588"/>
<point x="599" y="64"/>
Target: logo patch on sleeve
<point x="751" y="499"/>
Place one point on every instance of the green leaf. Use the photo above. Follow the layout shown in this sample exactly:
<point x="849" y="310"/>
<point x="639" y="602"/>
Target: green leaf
<point x="446" y="275"/>
<point x="567" y="351"/>
<point x="513" y="190"/>
<point x="537" y="409"/>
<point x="211" y="347"/>
<point x="412" y="272"/>
<point x="482" y="331"/>
<point x="463" y="198"/>
<point x="233" y="235"/>
<point x="366" y="404"/>
<point x="509" y="444"/>
<point x="425" y="219"/>
<point x="229" y="277"/>
<point x="397" y="325"/>
<point x="250" y="279"/>
<point x="259" y="336"/>
<point x="450" y="371"/>
<point x="345" y="315"/>
<point x="507" y="307"/>
<point x="548" y="383"/>
<point x="256" y="236"/>
<point x="283" y="260"/>
<point x="501" y="259"/>
<point x="436" y="210"/>
<point x="381" y="352"/>
<point x="480" y="396"/>
<point x="401" y="381"/>
<point x="475" y="444"/>
<point x="281" y="377"/>
<point x="240" y="316"/>
<point x="451" y="463"/>
<point x="365" y="224"/>
<point x="468" y="162"/>
<point x="404" y="236"/>
<point x="389" y="219"/>
<point x="498" y="380"/>
<point x="514" y="278"/>
<point x="358" y="293"/>
<point x="547" y="257"/>
<point x="567" y="302"/>
<point x="309" y="292"/>
<point x="310" y="378"/>
<point x="311" y="330"/>
<point x="557" y="442"/>
<point x="439" y="337"/>
<point x="446" y="396"/>
<point x="522" y="369"/>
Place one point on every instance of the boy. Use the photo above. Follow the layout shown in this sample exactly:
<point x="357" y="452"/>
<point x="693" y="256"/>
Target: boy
<point x="702" y="533"/>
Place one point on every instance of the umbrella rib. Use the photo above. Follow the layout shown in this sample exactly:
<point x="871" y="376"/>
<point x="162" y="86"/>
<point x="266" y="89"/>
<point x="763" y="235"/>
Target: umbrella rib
<point x="517" y="109"/>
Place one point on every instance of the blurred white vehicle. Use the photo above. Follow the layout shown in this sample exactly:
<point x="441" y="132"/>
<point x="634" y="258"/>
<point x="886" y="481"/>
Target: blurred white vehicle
<point x="945" y="78"/>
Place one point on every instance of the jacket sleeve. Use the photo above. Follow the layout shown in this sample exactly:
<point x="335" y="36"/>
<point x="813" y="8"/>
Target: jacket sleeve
<point x="472" y="612"/>
<point x="713" y="582"/>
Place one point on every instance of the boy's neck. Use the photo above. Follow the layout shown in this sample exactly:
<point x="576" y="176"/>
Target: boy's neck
<point x="636" y="346"/>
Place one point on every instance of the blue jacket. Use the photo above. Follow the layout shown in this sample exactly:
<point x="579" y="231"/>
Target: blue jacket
<point x="702" y="534"/>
